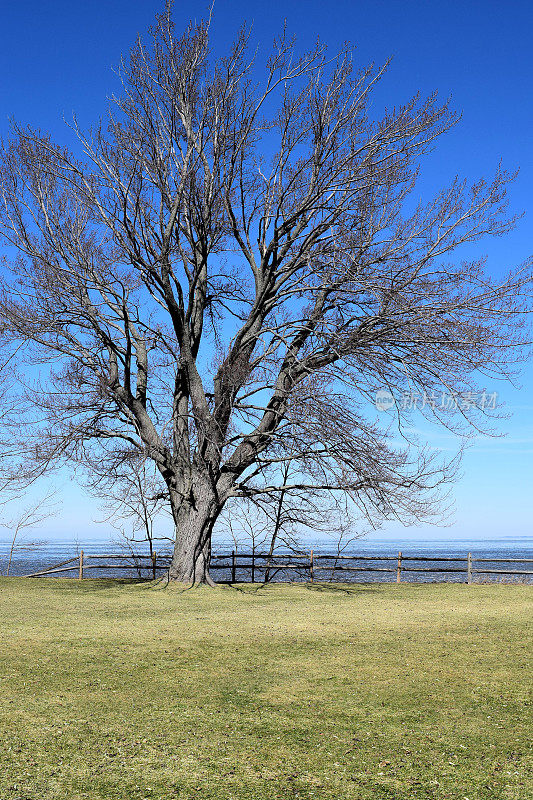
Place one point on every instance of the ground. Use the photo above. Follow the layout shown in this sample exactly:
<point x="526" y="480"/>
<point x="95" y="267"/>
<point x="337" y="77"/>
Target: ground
<point x="126" y="691"/>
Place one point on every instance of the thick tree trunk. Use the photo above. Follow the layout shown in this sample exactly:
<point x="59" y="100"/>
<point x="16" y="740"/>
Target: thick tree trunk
<point x="192" y="548"/>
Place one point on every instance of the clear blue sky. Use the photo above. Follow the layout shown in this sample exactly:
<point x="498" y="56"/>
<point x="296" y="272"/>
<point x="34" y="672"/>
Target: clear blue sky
<point x="55" y="58"/>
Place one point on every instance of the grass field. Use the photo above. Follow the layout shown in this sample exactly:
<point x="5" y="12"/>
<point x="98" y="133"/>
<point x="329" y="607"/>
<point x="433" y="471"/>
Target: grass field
<point x="116" y="690"/>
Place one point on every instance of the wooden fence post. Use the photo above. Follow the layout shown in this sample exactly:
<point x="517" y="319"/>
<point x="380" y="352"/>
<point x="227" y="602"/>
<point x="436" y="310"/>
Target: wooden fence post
<point x="80" y="574"/>
<point x="469" y="568"/>
<point x="233" y="567"/>
<point x="154" y="564"/>
<point x="399" y="569"/>
<point x="311" y="566"/>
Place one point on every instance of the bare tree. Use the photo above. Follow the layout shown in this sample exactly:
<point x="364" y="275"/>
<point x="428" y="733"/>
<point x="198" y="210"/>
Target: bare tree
<point x="231" y="267"/>
<point x="134" y="503"/>
<point x="278" y="521"/>
<point x="25" y="519"/>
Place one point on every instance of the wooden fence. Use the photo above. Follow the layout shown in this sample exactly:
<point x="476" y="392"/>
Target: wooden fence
<point x="263" y="567"/>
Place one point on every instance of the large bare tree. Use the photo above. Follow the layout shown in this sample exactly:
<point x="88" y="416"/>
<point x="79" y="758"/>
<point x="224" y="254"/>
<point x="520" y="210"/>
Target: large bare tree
<point x="231" y="267"/>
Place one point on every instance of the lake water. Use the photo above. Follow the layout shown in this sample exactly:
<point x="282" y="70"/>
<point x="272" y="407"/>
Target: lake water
<point x="520" y="549"/>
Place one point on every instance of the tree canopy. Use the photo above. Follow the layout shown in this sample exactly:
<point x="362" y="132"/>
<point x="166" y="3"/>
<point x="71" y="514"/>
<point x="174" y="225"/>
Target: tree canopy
<point x="228" y="268"/>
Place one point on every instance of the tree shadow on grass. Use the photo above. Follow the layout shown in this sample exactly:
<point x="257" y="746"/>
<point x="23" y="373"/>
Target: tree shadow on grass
<point x="317" y="586"/>
<point x="88" y="585"/>
<point x="342" y="588"/>
<point x="250" y="588"/>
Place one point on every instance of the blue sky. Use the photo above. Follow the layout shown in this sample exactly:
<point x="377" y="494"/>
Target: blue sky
<point x="56" y="59"/>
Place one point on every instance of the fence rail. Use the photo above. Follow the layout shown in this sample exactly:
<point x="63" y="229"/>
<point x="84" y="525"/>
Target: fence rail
<point x="265" y="567"/>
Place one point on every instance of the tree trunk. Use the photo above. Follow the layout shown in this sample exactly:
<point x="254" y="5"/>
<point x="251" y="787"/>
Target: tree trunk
<point x="192" y="548"/>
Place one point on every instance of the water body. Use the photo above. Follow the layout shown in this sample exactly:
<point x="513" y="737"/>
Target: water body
<point x="36" y="558"/>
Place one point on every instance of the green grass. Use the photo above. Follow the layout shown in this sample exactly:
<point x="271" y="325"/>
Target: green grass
<point x="117" y="690"/>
